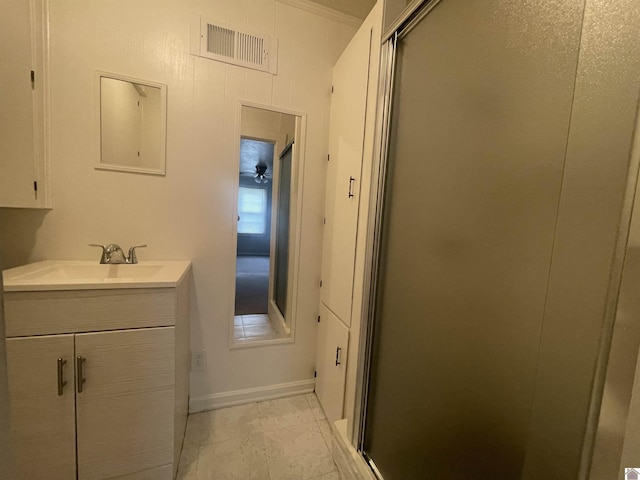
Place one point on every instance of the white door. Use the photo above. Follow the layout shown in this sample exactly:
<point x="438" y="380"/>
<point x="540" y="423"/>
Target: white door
<point x="42" y="407"/>
<point x="125" y="410"/>
<point x="346" y="137"/>
<point x="331" y="364"/>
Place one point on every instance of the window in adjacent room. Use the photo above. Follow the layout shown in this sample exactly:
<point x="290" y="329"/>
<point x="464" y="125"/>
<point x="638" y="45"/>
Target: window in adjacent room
<point x="252" y="210"/>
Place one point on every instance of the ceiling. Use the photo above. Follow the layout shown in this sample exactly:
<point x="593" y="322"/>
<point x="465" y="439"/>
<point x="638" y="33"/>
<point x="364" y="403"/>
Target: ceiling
<point x="356" y="8"/>
<point x="253" y="152"/>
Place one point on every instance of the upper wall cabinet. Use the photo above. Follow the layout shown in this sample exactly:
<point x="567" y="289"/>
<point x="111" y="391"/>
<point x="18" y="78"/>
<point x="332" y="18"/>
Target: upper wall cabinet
<point x="23" y="115"/>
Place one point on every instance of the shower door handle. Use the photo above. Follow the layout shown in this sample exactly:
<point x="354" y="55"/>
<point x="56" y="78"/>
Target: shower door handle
<point x="351" y="180"/>
<point x="338" y="351"/>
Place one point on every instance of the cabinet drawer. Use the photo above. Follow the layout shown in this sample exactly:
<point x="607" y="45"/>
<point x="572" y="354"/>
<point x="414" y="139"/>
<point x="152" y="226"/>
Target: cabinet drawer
<point x="53" y="312"/>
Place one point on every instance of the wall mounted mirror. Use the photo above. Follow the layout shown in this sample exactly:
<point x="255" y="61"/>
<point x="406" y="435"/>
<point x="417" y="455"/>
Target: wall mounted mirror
<point x="131" y="124"/>
<point x="268" y="210"/>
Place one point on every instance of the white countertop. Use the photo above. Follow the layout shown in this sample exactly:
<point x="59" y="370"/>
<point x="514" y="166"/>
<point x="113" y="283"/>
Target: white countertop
<point x="91" y="275"/>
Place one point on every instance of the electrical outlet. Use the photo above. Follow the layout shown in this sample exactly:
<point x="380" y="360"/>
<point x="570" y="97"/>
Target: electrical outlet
<point x="199" y="361"/>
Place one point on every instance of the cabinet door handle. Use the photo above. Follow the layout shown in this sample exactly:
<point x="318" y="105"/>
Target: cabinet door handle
<point x="351" y="180"/>
<point x="338" y="350"/>
<point x="61" y="381"/>
<point x="79" y="362"/>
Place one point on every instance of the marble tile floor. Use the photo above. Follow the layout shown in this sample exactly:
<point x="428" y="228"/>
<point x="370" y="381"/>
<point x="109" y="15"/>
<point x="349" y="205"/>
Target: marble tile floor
<point x="249" y="328"/>
<point x="284" y="439"/>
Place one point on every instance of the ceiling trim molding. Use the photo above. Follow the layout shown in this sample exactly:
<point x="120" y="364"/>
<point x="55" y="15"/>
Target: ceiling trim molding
<point x="323" y="11"/>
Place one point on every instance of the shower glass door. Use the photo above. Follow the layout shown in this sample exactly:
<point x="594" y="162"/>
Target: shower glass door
<point x="479" y="124"/>
<point x="282" y="237"/>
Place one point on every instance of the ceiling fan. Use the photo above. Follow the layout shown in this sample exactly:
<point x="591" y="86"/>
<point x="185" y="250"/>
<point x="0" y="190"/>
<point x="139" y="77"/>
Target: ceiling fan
<point x="260" y="176"/>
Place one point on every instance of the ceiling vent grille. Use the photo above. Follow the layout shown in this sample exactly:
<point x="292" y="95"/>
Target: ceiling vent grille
<point x="243" y="48"/>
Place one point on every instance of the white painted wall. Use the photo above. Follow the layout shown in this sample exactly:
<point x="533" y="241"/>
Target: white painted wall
<point x="187" y="214"/>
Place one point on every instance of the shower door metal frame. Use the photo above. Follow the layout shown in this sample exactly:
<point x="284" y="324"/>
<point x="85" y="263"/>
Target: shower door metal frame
<point x="410" y="17"/>
<point x="372" y="255"/>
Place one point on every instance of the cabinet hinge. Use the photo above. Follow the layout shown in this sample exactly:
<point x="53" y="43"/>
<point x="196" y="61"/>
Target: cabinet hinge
<point x="315" y="374"/>
<point x="328" y="157"/>
<point x="35" y="186"/>
<point x="320" y="283"/>
<point x="324" y="220"/>
<point x="33" y="79"/>
<point x="331" y="88"/>
<point x="318" y="318"/>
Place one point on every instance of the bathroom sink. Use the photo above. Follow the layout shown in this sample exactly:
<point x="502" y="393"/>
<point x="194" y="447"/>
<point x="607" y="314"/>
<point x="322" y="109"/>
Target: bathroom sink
<point x="83" y="275"/>
<point x="91" y="272"/>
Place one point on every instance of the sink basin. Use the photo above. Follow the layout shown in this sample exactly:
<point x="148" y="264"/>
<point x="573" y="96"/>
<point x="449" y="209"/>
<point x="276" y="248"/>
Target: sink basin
<point x="82" y="275"/>
<point x="91" y="272"/>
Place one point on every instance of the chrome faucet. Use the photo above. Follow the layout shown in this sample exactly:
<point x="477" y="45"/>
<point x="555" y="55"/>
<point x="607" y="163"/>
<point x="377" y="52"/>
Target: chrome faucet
<point x="113" y="254"/>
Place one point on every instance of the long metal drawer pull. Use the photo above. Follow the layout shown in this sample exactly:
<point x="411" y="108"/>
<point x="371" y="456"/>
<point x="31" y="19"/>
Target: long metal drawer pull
<point x="338" y="350"/>
<point x="61" y="381"/>
<point x="81" y="379"/>
<point x="351" y="180"/>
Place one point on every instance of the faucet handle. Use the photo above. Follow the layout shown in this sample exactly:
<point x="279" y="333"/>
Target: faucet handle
<point x="105" y="255"/>
<point x="132" y="257"/>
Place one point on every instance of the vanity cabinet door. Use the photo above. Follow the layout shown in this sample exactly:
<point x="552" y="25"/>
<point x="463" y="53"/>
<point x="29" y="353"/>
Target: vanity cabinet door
<point x="43" y="438"/>
<point x="125" y="411"/>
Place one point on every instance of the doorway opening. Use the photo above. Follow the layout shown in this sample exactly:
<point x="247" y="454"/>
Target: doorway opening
<point x="253" y="257"/>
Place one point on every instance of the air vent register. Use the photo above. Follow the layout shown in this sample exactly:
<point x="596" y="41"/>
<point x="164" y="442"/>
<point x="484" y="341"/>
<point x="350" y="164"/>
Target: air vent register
<point x="238" y="47"/>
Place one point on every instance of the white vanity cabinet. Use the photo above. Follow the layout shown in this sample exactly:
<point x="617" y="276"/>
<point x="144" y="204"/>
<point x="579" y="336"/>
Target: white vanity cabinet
<point x="98" y="381"/>
<point x="123" y="418"/>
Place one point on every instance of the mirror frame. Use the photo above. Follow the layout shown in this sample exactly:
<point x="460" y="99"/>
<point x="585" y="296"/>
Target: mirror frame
<point x="295" y="218"/>
<point x="99" y="74"/>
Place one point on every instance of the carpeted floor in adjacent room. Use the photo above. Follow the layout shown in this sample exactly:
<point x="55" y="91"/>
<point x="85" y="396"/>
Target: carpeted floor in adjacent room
<point x="252" y="284"/>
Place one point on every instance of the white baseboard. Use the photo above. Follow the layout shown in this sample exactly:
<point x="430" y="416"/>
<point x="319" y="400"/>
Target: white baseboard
<point x="249" y="395"/>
